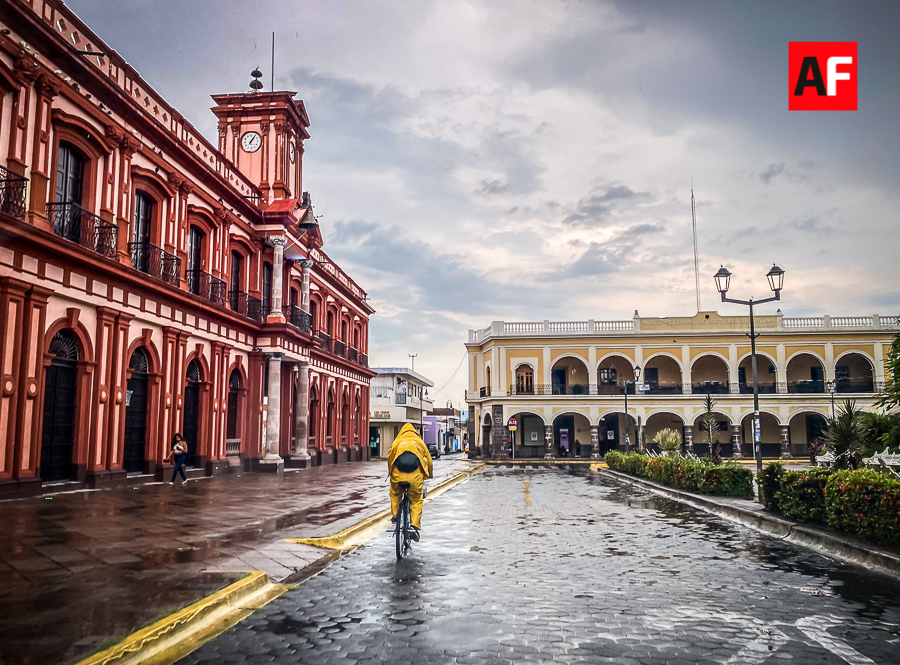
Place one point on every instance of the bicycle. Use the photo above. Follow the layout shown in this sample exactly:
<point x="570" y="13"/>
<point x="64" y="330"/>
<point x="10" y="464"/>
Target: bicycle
<point x="402" y="535"/>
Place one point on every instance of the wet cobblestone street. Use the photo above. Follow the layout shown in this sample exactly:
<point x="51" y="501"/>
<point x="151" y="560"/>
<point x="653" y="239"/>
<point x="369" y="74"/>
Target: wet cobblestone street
<point x="557" y="565"/>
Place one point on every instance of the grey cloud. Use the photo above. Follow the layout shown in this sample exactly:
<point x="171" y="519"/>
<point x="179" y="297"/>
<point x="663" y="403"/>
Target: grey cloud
<point x="596" y="209"/>
<point x="492" y="187"/>
<point x="773" y="171"/>
<point x="596" y="260"/>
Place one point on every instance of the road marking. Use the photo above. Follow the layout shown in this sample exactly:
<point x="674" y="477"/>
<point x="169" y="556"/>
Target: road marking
<point x="816" y="628"/>
<point x="525" y="487"/>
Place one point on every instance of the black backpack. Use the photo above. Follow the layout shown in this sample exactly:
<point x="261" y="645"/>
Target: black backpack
<point x="407" y="462"/>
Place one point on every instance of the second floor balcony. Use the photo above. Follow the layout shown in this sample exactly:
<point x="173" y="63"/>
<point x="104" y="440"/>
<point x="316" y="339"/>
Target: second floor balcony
<point x="12" y="193"/>
<point x="246" y="304"/>
<point x="155" y="261"/>
<point x="298" y="318"/>
<point x="208" y="287"/>
<point x="74" y="223"/>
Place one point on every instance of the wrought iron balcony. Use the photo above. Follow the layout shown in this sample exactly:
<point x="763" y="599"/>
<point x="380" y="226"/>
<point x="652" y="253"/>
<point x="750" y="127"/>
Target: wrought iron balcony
<point x="298" y="318"/>
<point x="74" y="223"/>
<point x="12" y="193"/>
<point x="710" y="388"/>
<point x="764" y="388"/>
<point x="806" y="386"/>
<point x="210" y="288"/>
<point x="400" y="398"/>
<point x="324" y="341"/>
<point x="363" y="360"/>
<point x="155" y="261"/>
<point x="352" y="355"/>
<point x="857" y="386"/>
<point x="243" y="303"/>
<point x="338" y="348"/>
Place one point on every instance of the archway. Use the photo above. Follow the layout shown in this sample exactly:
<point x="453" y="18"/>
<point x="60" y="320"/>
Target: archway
<point x="329" y="420"/>
<point x="569" y="376"/>
<point x="486" y="436"/>
<point x="611" y="432"/>
<point x="766" y="375"/>
<point x="709" y="376"/>
<point x="721" y="434"/>
<point x="136" y="399"/>
<point x="524" y="380"/>
<point x="571" y="435"/>
<point x="60" y="396"/>
<point x="608" y="372"/>
<point x="662" y="375"/>
<point x="805" y="374"/>
<point x="806" y="426"/>
<point x="769" y="435"/>
<point x="659" y="421"/>
<point x="529" y="437"/>
<point x="853" y="373"/>
<point x="314" y="415"/>
<point x="191" y="428"/>
<point x="232" y="432"/>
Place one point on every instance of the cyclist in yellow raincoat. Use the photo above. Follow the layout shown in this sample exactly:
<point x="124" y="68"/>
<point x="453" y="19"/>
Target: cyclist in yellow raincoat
<point x="409" y="462"/>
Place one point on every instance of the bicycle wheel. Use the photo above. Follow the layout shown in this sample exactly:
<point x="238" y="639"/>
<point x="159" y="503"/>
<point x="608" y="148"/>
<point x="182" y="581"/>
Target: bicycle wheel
<point x="399" y="536"/>
<point x="407" y="537"/>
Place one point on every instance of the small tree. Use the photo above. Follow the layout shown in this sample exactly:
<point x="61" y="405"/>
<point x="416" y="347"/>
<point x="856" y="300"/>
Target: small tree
<point x="669" y="441"/>
<point x="889" y="396"/>
<point x="846" y="433"/>
<point x="711" y="423"/>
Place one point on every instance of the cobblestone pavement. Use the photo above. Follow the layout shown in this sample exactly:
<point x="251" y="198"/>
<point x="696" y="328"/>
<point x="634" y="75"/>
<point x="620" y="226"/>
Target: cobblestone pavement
<point x="96" y="565"/>
<point x="561" y="565"/>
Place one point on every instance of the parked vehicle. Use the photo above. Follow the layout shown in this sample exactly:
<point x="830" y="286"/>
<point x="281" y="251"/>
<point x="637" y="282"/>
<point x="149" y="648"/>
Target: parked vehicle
<point x="435" y="450"/>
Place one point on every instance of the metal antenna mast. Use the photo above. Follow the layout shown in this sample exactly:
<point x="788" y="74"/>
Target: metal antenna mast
<point x="273" y="62"/>
<point x="696" y="260"/>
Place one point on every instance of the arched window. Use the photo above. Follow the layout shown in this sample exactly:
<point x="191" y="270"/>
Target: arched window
<point x="195" y="259"/>
<point x="343" y="331"/>
<point x="524" y="380"/>
<point x="314" y="314"/>
<point x="330" y="324"/>
<point x="234" y="289"/>
<point x="356" y="338"/>
<point x="140" y="236"/>
<point x="234" y="387"/>
<point x="267" y="289"/>
<point x="69" y="174"/>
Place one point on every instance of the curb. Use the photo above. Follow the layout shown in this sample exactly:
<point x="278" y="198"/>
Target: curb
<point x="180" y="633"/>
<point x="361" y="532"/>
<point x="821" y="541"/>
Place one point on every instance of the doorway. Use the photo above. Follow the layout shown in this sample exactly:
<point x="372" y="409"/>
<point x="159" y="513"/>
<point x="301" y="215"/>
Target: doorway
<point x="136" y="413"/>
<point x="60" y="392"/>
<point x="192" y="413"/>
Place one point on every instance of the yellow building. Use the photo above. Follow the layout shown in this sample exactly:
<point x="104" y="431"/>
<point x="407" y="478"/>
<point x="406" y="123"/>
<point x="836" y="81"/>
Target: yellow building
<point x="565" y="383"/>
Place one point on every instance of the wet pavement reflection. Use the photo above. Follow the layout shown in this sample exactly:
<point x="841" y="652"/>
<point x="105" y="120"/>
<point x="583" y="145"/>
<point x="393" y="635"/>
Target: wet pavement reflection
<point x="593" y="570"/>
<point x="82" y="569"/>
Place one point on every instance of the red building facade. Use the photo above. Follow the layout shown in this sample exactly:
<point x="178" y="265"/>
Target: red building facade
<point x="153" y="283"/>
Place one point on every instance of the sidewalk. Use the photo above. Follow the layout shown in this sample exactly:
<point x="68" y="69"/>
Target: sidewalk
<point x="823" y="540"/>
<point x="85" y="568"/>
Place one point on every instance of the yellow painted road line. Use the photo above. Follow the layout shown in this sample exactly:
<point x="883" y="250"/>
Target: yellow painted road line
<point x="525" y="487"/>
<point x="361" y="532"/>
<point x="172" y="638"/>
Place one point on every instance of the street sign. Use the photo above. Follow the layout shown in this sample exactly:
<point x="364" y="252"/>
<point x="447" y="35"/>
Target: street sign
<point x="512" y="424"/>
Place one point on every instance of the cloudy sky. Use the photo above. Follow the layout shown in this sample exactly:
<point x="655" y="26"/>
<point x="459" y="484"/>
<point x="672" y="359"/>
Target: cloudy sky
<point x="523" y="161"/>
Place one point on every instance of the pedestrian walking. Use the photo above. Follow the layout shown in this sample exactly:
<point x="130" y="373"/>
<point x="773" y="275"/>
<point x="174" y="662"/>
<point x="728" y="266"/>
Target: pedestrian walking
<point x="577" y="448"/>
<point x="178" y="454"/>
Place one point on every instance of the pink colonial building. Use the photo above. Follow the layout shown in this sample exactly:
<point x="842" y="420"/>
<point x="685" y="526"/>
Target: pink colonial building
<point x="152" y="282"/>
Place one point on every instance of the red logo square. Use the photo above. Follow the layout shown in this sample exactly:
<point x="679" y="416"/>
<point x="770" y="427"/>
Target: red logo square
<point x="822" y="76"/>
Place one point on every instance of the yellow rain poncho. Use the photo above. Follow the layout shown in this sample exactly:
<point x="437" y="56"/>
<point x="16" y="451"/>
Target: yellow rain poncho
<point x="409" y="441"/>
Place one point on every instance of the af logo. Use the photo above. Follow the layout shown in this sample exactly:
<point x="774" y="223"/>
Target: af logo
<point x="822" y="76"/>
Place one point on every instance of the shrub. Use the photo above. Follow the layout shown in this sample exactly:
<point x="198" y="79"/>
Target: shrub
<point x="669" y="440"/>
<point x="801" y="496"/>
<point x="769" y="483"/>
<point x="864" y="503"/>
<point x="731" y="479"/>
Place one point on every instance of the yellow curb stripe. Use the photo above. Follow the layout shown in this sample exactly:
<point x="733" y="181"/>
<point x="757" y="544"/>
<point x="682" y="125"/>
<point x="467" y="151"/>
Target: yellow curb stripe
<point x="525" y="487"/>
<point x="362" y="532"/>
<point x="180" y="633"/>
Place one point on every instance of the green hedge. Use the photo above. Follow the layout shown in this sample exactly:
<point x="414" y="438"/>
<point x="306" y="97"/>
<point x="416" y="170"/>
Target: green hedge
<point x="729" y="479"/>
<point x="863" y="503"/>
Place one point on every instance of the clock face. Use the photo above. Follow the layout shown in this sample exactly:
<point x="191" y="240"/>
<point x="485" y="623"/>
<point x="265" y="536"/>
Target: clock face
<point x="251" y="141"/>
<point x="292" y="151"/>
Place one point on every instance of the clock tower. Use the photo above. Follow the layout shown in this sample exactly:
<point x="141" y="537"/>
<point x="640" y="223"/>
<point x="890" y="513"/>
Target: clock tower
<point x="262" y="134"/>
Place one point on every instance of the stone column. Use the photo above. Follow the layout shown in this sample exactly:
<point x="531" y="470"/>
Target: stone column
<point x="305" y="266"/>
<point x="548" y="441"/>
<point x="736" y="441"/>
<point x="273" y="412"/>
<point x="299" y="450"/>
<point x="786" y="441"/>
<point x="276" y="314"/>
<point x="689" y="438"/>
<point x="498" y="434"/>
<point x="595" y="442"/>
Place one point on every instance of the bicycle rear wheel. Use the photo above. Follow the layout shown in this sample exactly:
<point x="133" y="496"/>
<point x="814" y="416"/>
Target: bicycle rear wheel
<point x="402" y="527"/>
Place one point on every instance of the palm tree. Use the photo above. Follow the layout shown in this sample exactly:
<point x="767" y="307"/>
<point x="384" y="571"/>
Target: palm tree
<point x="846" y="432"/>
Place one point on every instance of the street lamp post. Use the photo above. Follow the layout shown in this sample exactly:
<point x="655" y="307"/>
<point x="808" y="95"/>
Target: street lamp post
<point x="776" y="282"/>
<point x="832" y="388"/>
<point x="637" y="375"/>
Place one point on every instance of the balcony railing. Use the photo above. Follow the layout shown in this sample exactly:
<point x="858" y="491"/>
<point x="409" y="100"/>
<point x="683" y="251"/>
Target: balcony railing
<point x="298" y="318"/>
<point x="324" y="341"/>
<point x="243" y="303"/>
<point x="338" y="348"/>
<point x="352" y="355"/>
<point x="74" y="223"/>
<point x="155" y="261"/>
<point x="400" y="398"/>
<point x="12" y="193"/>
<point x="710" y="388"/>
<point x="210" y="288"/>
<point x="859" y="386"/>
<point x="363" y="360"/>
<point x="806" y="386"/>
<point x="747" y="388"/>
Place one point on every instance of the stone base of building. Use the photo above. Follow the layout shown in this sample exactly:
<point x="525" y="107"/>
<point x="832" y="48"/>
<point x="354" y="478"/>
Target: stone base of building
<point x="297" y="462"/>
<point x="105" y="479"/>
<point x="327" y="456"/>
<point x="343" y="455"/>
<point x="20" y="487"/>
<point x="216" y="467"/>
<point x="264" y="465"/>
